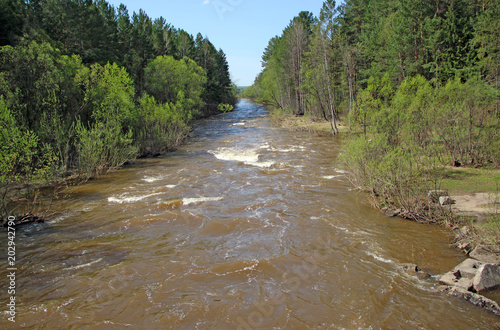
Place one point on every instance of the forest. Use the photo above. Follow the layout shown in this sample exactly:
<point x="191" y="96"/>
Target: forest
<point x="85" y="87"/>
<point x="414" y="83"/>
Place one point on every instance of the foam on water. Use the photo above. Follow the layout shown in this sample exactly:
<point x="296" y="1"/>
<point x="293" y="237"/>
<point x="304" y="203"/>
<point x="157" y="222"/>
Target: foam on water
<point x="329" y="177"/>
<point x="151" y="179"/>
<point x="84" y="265"/>
<point x="187" y="201"/>
<point x="379" y="258"/>
<point x="248" y="156"/>
<point x="129" y="199"/>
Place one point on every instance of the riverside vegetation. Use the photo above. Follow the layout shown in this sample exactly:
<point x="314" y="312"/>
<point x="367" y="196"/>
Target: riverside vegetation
<point x="84" y="88"/>
<point x="416" y="86"/>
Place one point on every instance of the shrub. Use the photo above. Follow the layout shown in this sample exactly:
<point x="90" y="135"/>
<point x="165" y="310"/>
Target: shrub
<point x="102" y="147"/>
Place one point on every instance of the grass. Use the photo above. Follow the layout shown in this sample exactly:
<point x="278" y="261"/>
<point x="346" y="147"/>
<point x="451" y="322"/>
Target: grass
<point x="306" y="123"/>
<point x="464" y="180"/>
<point x="487" y="231"/>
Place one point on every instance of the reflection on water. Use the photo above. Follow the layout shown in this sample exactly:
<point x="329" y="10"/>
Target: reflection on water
<point x="246" y="226"/>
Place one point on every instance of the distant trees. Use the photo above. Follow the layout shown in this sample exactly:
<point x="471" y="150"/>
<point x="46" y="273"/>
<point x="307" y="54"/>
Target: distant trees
<point x="84" y="87"/>
<point x="416" y="81"/>
<point x="438" y="40"/>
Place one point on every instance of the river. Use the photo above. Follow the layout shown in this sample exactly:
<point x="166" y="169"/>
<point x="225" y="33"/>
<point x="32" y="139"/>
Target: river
<point x="245" y="226"/>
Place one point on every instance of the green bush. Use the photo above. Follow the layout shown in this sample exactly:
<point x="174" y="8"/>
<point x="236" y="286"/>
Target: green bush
<point x="162" y="126"/>
<point x="102" y="147"/>
<point x="225" y="107"/>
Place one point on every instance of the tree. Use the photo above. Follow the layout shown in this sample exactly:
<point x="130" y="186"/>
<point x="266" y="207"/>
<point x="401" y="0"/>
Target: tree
<point x="166" y="77"/>
<point x="487" y="39"/>
<point x="105" y="141"/>
<point x="11" y="21"/>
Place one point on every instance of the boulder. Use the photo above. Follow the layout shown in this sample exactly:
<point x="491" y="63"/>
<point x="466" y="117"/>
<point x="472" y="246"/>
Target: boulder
<point x="487" y="278"/>
<point x="462" y="275"/>
<point x="446" y="200"/>
<point x="434" y="195"/>
<point x="485" y="254"/>
<point x="455" y="279"/>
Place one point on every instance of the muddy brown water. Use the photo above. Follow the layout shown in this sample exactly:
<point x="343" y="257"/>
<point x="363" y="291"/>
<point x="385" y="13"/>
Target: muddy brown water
<point x="247" y="225"/>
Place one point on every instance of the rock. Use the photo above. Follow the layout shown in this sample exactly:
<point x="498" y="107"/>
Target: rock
<point x="411" y="269"/>
<point x="462" y="275"/>
<point x="25" y="219"/>
<point x="464" y="231"/>
<point x="456" y="280"/>
<point x="464" y="246"/>
<point x="468" y="268"/>
<point x="487" y="278"/>
<point x="461" y="232"/>
<point x="390" y="212"/>
<point x="423" y="275"/>
<point x="485" y="254"/>
<point x="474" y="298"/>
<point x="414" y="270"/>
<point x="434" y="195"/>
<point x="446" y="200"/>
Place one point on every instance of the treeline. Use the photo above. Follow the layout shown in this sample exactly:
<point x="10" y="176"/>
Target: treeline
<point x="84" y="87"/>
<point x="417" y="80"/>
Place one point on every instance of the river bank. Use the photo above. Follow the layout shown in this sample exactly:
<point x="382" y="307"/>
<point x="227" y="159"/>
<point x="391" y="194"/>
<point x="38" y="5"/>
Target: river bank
<point x="475" y="192"/>
<point x="30" y="201"/>
<point x="472" y="213"/>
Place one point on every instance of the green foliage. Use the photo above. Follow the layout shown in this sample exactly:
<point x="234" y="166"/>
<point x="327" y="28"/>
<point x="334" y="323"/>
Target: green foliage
<point x="11" y="21"/>
<point x="391" y="173"/>
<point x="22" y="159"/>
<point x="421" y="129"/>
<point x="72" y="88"/>
<point x="487" y="39"/>
<point x="467" y="122"/>
<point x="225" y="107"/>
<point x="31" y="81"/>
<point x="108" y="93"/>
<point x="12" y="142"/>
<point x="166" y="77"/>
<point x="102" y="147"/>
<point x="162" y="126"/>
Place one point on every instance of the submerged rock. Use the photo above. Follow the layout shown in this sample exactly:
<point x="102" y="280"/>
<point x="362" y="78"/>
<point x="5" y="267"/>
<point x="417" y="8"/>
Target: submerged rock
<point x="391" y="212"/>
<point x="414" y="270"/>
<point x="411" y="269"/>
<point x="24" y="219"/>
<point x="473" y="298"/>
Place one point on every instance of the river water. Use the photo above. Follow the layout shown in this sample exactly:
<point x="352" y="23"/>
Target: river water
<point x="245" y="226"/>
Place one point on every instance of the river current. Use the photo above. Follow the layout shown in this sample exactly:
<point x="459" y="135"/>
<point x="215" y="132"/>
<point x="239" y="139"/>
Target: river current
<point x="245" y="226"/>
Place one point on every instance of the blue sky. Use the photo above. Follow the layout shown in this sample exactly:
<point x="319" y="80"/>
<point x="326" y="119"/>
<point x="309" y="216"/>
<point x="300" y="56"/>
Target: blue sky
<point x="242" y="28"/>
